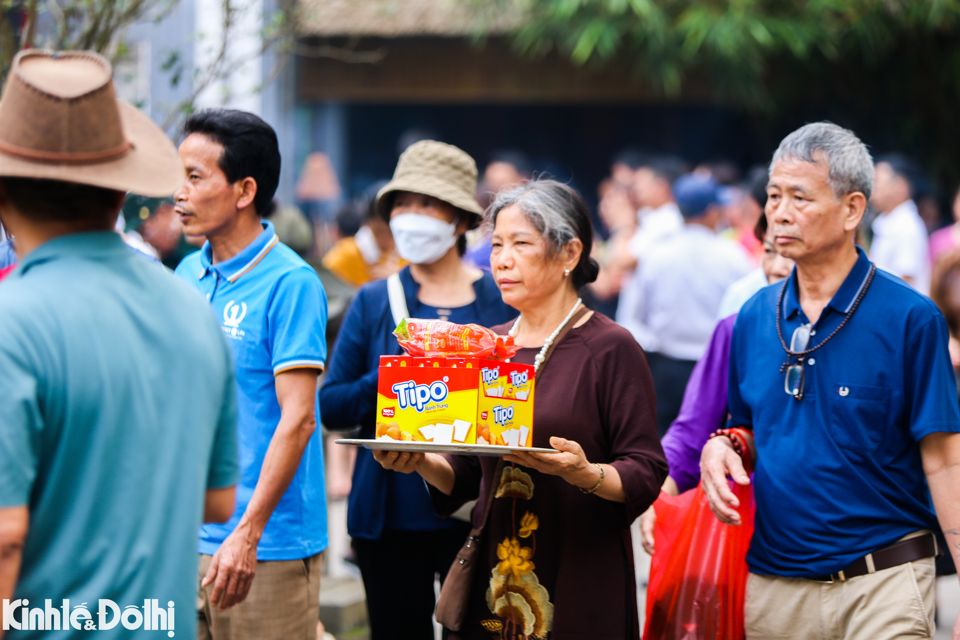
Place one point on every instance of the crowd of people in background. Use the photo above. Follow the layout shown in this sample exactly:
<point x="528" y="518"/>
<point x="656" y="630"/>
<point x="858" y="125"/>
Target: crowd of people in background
<point x="908" y="230"/>
<point x="656" y="285"/>
<point x="692" y="227"/>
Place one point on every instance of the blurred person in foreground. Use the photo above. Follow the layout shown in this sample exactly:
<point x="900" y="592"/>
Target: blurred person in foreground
<point x="842" y="378"/>
<point x="947" y="240"/>
<point x="679" y="289"/>
<point x="704" y="408"/>
<point x="260" y="572"/>
<point x="117" y="403"/>
<point x="401" y="545"/>
<point x="555" y="558"/>
<point x="900" y="244"/>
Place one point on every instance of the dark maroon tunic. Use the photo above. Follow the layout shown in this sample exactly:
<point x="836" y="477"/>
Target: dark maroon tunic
<point x="556" y="563"/>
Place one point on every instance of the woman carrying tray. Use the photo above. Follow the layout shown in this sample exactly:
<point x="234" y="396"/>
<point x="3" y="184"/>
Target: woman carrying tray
<point x="399" y="541"/>
<point x="555" y="558"/>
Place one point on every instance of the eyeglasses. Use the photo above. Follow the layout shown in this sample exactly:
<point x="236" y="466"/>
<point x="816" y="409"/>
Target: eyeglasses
<point x="793" y="384"/>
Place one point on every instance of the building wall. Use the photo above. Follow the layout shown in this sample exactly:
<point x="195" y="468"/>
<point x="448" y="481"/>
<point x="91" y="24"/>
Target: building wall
<point x="454" y="70"/>
<point x="153" y="44"/>
<point x="570" y="121"/>
<point x="262" y="85"/>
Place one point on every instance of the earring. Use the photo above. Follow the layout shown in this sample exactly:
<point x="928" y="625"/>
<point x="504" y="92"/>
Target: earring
<point x="566" y="272"/>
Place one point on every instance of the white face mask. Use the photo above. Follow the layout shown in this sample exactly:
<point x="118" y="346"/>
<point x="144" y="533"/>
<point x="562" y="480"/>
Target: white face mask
<point x="421" y="239"/>
<point x="367" y="244"/>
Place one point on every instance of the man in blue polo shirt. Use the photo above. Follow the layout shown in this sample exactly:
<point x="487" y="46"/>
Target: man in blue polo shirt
<point x="273" y="310"/>
<point x="843" y="378"/>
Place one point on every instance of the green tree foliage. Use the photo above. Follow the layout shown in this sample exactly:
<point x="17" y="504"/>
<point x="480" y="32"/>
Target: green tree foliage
<point x="890" y="67"/>
<point x="734" y="43"/>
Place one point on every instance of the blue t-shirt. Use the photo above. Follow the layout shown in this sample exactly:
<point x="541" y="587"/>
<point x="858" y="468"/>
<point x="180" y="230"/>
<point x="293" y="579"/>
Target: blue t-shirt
<point x="117" y="412"/>
<point x="273" y="310"/>
<point x="839" y="472"/>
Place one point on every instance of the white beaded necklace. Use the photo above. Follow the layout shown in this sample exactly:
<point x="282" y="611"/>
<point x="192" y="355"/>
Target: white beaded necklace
<point x="549" y="341"/>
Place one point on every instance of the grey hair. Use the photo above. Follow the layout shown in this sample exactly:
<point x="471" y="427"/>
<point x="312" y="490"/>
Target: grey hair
<point x="849" y="163"/>
<point x="558" y="213"/>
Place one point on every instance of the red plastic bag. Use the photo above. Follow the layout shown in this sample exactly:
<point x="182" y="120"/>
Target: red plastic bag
<point x="439" y="338"/>
<point x="698" y="575"/>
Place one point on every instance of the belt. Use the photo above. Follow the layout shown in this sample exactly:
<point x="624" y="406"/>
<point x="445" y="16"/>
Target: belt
<point x="898" y="553"/>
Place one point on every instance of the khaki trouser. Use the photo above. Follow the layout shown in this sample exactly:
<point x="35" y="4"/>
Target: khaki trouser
<point x="283" y="603"/>
<point x="894" y="603"/>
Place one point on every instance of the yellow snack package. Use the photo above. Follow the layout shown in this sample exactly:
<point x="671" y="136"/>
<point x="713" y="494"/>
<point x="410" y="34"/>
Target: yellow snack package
<point x="505" y="404"/>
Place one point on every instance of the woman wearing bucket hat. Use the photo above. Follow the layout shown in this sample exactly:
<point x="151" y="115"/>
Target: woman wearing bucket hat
<point x="399" y="541"/>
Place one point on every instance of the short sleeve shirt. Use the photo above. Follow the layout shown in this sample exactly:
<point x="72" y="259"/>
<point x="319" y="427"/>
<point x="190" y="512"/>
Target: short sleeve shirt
<point x="900" y="245"/>
<point x="681" y="284"/>
<point x="839" y="472"/>
<point x="117" y="412"/>
<point x="272" y="309"/>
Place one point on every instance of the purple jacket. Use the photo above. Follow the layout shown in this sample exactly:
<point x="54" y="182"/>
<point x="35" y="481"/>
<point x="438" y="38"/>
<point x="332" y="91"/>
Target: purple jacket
<point x="704" y="409"/>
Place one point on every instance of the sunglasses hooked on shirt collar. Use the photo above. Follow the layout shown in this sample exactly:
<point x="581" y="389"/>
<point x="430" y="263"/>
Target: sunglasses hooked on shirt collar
<point x="793" y="383"/>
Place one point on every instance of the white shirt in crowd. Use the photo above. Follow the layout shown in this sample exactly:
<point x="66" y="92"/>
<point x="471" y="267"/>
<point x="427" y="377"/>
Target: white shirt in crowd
<point x="654" y="226"/>
<point x="680" y="285"/>
<point x="740" y="291"/>
<point x="900" y="245"/>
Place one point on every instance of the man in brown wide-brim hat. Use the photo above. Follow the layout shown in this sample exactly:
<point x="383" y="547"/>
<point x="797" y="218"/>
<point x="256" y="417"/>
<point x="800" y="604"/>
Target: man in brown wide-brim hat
<point x="117" y="401"/>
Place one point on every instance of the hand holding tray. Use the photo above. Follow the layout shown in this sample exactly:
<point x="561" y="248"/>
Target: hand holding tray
<point x="432" y="447"/>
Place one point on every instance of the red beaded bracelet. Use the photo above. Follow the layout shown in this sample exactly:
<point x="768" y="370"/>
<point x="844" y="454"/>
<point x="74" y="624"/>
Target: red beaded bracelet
<point x="742" y="441"/>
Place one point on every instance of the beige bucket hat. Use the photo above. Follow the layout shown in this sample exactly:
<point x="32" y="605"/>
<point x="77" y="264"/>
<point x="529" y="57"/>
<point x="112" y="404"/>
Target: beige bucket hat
<point x="60" y="120"/>
<point x="434" y="169"/>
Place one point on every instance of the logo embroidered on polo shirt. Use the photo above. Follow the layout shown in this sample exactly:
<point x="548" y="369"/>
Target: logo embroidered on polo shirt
<point x="233" y="315"/>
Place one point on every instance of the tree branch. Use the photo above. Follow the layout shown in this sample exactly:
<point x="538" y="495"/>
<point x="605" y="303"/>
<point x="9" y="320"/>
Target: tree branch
<point x="223" y="67"/>
<point x="343" y="54"/>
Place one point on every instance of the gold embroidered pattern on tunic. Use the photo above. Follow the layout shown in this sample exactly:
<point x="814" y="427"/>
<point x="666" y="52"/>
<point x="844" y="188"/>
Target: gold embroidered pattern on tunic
<point x="520" y="604"/>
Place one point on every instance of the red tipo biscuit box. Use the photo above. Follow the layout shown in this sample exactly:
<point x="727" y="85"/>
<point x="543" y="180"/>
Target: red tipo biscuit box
<point x="442" y="400"/>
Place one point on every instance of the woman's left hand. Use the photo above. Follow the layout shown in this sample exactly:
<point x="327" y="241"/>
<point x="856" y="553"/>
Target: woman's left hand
<point x="570" y="464"/>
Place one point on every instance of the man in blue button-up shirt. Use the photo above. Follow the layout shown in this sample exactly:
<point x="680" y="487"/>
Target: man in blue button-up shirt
<point x="273" y="311"/>
<point x="843" y="377"/>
